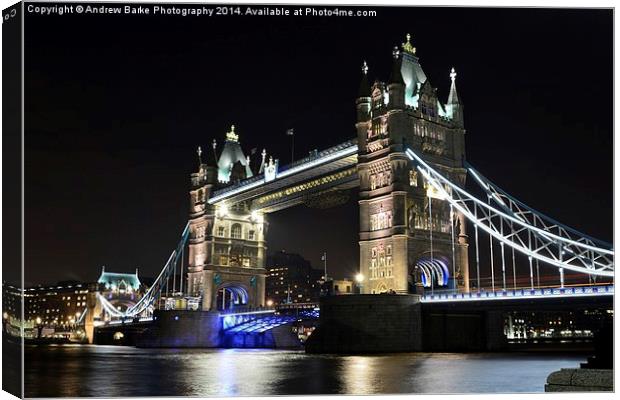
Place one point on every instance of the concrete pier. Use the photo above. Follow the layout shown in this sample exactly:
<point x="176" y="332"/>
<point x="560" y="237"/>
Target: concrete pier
<point x="181" y="328"/>
<point x="368" y="324"/>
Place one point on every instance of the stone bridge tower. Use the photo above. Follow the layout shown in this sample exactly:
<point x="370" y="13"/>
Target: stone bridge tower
<point x="406" y="240"/>
<point x="227" y="243"/>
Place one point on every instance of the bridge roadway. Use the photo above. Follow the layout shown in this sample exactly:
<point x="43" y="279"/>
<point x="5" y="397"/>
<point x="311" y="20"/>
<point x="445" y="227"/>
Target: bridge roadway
<point x="332" y="169"/>
<point x="450" y="321"/>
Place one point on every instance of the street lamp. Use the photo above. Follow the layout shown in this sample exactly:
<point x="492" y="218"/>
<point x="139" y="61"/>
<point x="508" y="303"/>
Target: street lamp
<point x="269" y="303"/>
<point x="359" y="278"/>
<point x="5" y="320"/>
<point x="39" y="327"/>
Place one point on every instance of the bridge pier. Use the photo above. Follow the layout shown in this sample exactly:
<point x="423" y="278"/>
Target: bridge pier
<point x="182" y="328"/>
<point x="368" y="324"/>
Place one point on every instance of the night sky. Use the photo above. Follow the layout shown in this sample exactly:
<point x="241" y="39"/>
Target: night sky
<point x="116" y="106"/>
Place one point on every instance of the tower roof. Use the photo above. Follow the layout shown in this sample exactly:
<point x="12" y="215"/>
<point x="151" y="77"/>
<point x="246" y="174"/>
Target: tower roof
<point x="114" y="280"/>
<point x="231" y="154"/>
<point x="412" y="72"/>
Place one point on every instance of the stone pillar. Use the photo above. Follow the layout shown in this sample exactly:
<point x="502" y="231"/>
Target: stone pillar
<point x="208" y="290"/>
<point x="494" y="329"/>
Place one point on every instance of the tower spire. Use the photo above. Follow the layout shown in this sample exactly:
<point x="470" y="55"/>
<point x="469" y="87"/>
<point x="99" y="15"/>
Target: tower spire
<point x="396" y="76"/>
<point x="453" y="98"/>
<point x="407" y="46"/>
<point x="454" y="106"/>
<point x="199" y="152"/>
<point x="364" y="90"/>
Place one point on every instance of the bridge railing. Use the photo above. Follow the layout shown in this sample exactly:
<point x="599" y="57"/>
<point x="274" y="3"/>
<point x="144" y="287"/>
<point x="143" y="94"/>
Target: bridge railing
<point x="285" y="168"/>
<point x="523" y="293"/>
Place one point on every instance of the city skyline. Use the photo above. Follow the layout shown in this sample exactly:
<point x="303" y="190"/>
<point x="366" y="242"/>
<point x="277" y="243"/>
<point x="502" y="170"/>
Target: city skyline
<point x="114" y="122"/>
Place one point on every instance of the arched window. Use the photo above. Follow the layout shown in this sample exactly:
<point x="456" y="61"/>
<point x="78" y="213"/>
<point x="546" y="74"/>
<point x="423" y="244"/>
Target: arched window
<point x="235" y="231"/>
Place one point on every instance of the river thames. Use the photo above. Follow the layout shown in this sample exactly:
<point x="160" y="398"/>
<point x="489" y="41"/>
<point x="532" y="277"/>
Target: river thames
<point x="109" y="371"/>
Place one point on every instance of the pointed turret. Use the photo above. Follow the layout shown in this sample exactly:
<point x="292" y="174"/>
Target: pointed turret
<point x="263" y="154"/>
<point x="454" y="107"/>
<point x="362" y="106"/>
<point x="212" y="155"/>
<point x="364" y="90"/>
<point x="396" y="84"/>
<point x="396" y="76"/>
<point x="453" y="98"/>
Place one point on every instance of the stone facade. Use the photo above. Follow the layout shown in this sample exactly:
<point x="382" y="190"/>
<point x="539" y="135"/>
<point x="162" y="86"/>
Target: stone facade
<point x="406" y="238"/>
<point x="226" y="243"/>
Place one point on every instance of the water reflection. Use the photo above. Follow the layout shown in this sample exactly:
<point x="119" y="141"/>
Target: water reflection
<point x="70" y="371"/>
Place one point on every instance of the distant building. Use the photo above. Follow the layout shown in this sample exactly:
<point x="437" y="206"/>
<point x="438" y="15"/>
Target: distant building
<point x="336" y="287"/>
<point x="59" y="306"/>
<point x="121" y="290"/>
<point x="291" y="279"/>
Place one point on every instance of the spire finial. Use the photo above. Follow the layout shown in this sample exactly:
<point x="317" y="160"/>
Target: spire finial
<point x="214" y="144"/>
<point x="264" y="153"/>
<point x="199" y="151"/>
<point x="365" y="68"/>
<point x="395" y="52"/>
<point x="232" y="136"/>
<point x="407" y="46"/>
<point x="453" y="74"/>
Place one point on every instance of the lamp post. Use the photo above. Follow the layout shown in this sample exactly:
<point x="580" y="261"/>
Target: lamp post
<point x="39" y="327"/>
<point x="359" y="278"/>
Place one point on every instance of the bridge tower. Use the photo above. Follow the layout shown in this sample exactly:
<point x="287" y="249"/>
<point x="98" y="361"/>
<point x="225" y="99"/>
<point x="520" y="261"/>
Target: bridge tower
<point x="406" y="240"/>
<point x="226" y="242"/>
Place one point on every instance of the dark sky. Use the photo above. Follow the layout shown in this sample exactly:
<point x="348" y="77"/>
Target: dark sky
<point x="116" y="105"/>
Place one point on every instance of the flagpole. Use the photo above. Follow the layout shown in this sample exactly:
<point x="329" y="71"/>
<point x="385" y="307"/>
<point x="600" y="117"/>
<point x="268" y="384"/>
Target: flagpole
<point x="325" y="264"/>
<point x="291" y="133"/>
<point x="293" y="147"/>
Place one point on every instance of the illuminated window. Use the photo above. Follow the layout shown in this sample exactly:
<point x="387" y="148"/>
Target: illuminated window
<point x="220" y="231"/>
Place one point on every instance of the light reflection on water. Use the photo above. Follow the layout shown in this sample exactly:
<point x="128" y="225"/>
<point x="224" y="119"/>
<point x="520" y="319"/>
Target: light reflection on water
<point x="69" y="371"/>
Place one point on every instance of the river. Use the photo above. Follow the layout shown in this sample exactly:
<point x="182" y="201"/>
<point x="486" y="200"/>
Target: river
<point x="78" y="370"/>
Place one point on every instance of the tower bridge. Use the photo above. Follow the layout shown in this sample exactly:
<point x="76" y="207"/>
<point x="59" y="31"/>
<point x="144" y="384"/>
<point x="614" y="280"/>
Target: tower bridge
<point x="418" y="222"/>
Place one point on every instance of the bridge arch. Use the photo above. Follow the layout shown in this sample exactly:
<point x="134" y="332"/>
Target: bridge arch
<point x="430" y="271"/>
<point x="232" y="294"/>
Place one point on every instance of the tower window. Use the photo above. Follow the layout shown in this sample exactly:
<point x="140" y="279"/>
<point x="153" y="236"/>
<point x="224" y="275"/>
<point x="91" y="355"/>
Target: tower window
<point x="251" y="235"/>
<point x="235" y="231"/>
<point x="220" y="231"/>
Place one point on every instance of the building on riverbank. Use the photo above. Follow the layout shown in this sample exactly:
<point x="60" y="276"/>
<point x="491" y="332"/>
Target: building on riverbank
<point x="291" y="279"/>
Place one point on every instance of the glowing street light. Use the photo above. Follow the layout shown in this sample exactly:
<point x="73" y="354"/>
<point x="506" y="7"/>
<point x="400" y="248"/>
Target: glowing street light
<point x="359" y="278"/>
<point x="269" y="303"/>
